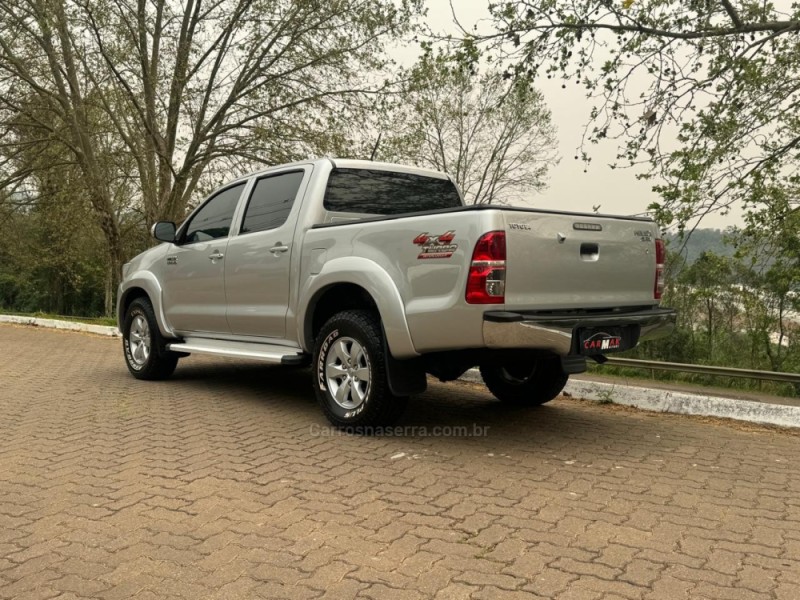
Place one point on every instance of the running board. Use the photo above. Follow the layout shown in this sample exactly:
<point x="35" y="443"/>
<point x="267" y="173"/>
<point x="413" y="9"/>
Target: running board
<point x="271" y="353"/>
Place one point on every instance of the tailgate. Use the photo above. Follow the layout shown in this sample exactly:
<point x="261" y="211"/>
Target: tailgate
<point x="564" y="261"/>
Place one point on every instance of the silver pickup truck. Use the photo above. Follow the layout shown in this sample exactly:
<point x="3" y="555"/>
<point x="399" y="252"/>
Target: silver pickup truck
<point x="378" y="274"/>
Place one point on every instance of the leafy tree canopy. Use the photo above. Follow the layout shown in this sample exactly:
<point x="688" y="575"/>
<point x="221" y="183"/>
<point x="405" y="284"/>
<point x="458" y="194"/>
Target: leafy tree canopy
<point x="704" y="93"/>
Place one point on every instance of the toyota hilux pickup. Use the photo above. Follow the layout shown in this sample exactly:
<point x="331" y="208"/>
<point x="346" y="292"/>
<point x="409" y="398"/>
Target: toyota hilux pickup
<point x="377" y="275"/>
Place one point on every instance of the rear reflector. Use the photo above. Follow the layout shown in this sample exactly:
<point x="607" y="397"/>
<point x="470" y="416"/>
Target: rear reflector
<point x="486" y="282"/>
<point x="661" y="256"/>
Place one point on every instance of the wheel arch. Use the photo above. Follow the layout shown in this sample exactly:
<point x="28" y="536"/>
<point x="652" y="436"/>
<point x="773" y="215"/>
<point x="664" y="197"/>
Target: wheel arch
<point x="127" y="298"/>
<point x="355" y="283"/>
<point x="143" y="285"/>
<point x="332" y="299"/>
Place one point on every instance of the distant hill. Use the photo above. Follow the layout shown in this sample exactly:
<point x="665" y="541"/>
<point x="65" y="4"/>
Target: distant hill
<point x="701" y="240"/>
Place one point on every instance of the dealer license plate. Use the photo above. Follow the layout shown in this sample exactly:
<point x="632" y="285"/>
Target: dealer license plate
<point x="602" y="340"/>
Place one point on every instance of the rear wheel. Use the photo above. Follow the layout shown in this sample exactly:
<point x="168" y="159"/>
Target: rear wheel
<point x="525" y="383"/>
<point x="350" y="378"/>
<point x="143" y="345"/>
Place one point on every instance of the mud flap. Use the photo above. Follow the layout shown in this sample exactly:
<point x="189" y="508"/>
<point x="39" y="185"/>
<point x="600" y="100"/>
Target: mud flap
<point x="406" y="377"/>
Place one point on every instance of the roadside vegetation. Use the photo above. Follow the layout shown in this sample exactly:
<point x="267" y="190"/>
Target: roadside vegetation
<point x="734" y="310"/>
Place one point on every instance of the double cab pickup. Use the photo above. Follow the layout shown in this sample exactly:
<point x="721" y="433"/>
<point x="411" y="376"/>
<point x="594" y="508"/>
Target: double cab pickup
<point x="377" y="275"/>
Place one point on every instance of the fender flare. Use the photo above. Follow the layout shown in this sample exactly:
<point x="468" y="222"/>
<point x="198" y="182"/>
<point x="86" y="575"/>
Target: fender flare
<point x="146" y="281"/>
<point x="378" y="284"/>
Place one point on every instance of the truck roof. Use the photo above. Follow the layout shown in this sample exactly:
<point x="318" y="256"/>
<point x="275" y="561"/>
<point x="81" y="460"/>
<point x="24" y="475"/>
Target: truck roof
<point x="349" y="163"/>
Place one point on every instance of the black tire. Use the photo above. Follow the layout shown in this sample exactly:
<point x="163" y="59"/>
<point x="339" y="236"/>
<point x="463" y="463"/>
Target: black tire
<point x="525" y="383"/>
<point x="157" y="362"/>
<point x="351" y="344"/>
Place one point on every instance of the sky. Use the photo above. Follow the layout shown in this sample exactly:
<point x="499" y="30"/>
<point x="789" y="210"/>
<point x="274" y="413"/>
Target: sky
<point x="617" y="191"/>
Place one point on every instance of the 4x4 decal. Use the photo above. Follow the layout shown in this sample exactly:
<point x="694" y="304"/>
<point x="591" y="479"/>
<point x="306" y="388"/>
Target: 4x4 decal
<point x="436" y="246"/>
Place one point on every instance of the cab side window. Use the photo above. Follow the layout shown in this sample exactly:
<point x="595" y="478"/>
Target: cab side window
<point x="214" y="219"/>
<point x="271" y="201"/>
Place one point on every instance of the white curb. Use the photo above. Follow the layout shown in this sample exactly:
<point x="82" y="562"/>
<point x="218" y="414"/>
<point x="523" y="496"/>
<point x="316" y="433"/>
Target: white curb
<point x="58" y="324"/>
<point x="671" y="401"/>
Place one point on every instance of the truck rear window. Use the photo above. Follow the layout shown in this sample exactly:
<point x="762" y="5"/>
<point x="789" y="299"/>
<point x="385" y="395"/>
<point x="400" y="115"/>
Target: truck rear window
<point x="387" y="193"/>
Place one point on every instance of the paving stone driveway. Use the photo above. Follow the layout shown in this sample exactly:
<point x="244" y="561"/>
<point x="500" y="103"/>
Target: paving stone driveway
<point x="220" y="484"/>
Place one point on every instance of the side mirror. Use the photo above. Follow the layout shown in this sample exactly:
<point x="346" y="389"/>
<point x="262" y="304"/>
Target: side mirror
<point x="164" y="231"/>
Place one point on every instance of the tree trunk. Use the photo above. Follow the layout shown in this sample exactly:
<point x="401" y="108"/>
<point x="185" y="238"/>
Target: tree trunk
<point x="109" y="292"/>
<point x="710" y="310"/>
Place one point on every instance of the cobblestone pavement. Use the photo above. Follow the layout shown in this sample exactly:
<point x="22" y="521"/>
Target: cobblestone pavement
<point x="220" y="484"/>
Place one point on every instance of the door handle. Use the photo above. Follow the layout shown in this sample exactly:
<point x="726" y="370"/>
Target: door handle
<point x="279" y="249"/>
<point x="216" y="256"/>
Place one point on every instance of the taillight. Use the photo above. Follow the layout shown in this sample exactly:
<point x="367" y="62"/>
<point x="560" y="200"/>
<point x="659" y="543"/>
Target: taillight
<point x="486" y="283"/>
<point x="661" y="255"/>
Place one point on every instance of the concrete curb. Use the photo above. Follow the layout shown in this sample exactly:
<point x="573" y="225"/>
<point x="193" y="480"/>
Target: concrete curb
<point x="64" y="325"/>
<point x="671" y="401"/>
<point x="656" y="400"/>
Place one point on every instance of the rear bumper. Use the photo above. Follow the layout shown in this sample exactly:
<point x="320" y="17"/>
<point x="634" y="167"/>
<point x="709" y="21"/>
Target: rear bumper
<point x="554" y="332"/>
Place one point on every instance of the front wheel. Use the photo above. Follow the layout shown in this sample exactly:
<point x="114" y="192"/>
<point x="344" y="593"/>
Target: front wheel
<point x="144" y="347"/>
<point x="525" y="383"/>
<point x="350" y="378"/>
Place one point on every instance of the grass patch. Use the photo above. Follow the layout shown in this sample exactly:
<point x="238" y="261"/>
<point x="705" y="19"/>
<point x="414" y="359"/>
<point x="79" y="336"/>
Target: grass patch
<point x="107" y="321"/>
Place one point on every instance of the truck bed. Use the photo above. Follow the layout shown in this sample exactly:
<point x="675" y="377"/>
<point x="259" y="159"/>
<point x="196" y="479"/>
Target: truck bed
<point x="556" y="261"/>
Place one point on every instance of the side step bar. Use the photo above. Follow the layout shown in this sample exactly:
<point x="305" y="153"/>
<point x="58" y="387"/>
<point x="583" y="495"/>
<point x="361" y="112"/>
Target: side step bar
<point x="271" y="353"/>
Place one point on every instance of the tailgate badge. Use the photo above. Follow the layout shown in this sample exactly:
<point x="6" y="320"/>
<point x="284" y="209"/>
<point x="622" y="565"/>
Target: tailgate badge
<point x="587" y="226"/>
<point x="436" y="246"/>
<point x="522" y="226"/>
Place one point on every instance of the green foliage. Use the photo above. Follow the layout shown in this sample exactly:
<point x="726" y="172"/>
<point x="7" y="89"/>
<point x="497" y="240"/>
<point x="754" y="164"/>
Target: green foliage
<point x="52" y="261"/>
<point x="732" y="314"/>
<point x="702" y="95"/>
